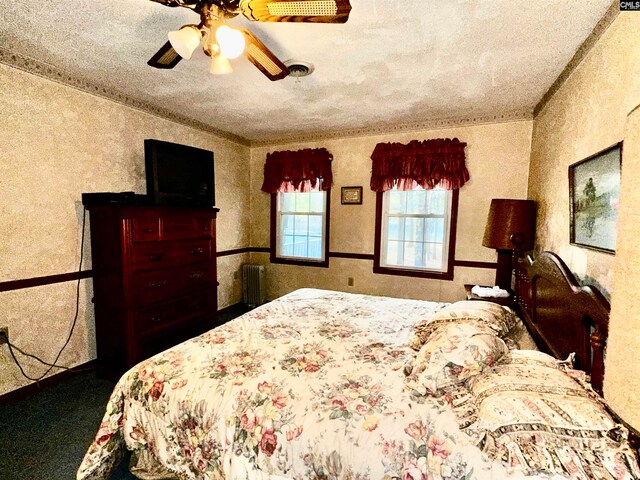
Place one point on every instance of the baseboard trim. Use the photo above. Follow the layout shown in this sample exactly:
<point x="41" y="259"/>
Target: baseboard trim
<point x="229" y="308"/>
<point x="30" y="389"/>
<point x="56" y="378"/>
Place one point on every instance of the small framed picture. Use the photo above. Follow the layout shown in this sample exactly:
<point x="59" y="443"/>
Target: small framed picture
<point x="594" y="188"/>
<point x="351" y="196"/>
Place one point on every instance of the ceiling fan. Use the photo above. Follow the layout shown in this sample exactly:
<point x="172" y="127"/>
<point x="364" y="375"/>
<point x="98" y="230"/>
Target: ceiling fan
<point x="223" y="42"/>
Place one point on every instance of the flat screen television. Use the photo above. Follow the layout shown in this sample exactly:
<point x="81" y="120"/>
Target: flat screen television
<point x="179" y="174"/>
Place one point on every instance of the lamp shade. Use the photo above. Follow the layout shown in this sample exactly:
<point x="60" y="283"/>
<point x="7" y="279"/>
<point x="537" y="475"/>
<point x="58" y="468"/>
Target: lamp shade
<point x="220" y="65"/>
<point x="511" y="224"/>
<point x="185" y="40"/>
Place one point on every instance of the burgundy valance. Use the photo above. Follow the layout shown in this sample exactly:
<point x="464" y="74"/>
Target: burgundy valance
<point x="299" y="171"/>
<point x="432" y="163"/>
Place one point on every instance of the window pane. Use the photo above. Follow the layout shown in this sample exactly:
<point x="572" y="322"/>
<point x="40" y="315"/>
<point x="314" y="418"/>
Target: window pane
<point x="397" y="201"/>
<point x="316" y="203"/>
<point x="393" y="252"/>
<point x="287" y="246"/>
<point x="315" y="225"/>
<point x="414" y="254"/>
<point x="395" y="226"/>
<point x="433" y="255"/>
<point x="436" y="202"/>
<point x="435" y="230"/>
<point x="302" y="202"/>
<point x="288" y="201"/>
<point x="301" y="234"/>
<point x="414" y="229"/>
<point x="315" y="247"/>
<point x="301" y="225"/>
<point x="416" y="201"/>
<point x="286" y="224"/>
<point x="300" y="246"/>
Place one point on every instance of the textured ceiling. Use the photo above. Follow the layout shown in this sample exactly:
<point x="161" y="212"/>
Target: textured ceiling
<point x="394" y="62"/>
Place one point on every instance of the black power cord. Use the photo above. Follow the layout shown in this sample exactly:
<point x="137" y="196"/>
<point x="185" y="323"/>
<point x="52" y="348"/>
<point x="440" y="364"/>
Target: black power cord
<point x="73" y="325"/>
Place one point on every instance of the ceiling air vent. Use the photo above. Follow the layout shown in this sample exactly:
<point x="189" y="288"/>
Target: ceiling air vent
<point x="299" y="69"/>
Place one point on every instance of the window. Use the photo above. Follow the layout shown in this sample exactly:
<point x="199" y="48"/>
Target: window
<point x="415" y="232"/>
<point x="300" y="227"/>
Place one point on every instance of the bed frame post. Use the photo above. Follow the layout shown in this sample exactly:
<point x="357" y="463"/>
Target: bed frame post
<point x="598" y="341"/>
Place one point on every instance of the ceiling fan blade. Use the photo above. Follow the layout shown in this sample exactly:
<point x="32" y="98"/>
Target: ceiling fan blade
<point x="263" y="58"/>
<point x="318" y="11"/>
<point x="166" y="57"/>
<point x="192" y="4"/>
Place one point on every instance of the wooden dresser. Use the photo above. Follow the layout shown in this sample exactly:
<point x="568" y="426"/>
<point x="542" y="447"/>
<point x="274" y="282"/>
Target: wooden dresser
<point x="154" y="280"/>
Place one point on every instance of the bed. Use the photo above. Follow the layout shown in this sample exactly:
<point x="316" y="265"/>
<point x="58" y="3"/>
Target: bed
<point x="326" y="385"/>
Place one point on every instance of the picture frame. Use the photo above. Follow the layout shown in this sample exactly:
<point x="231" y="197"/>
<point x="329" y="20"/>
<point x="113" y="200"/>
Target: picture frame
<point x="594" y="197"/>
<point x="351" y="195"/>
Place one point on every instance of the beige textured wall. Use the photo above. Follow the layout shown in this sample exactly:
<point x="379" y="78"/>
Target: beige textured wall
<point x="622" y="375"/>
<point x="498" y="161"/>
<point x="587" y="114"/>
<point x="58" y="142"/>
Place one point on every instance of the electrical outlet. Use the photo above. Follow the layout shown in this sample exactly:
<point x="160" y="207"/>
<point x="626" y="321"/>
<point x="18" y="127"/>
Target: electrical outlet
<point x="4" y="335"/>
<point x="350" y="282"/>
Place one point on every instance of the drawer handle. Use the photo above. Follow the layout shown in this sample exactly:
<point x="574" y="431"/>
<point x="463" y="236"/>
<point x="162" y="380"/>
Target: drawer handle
<point x="156" y="257"/>
<point x="204" y="228"/>
<point x="197" y="251"/>
<point x="196" y="275"/>
<point x="159" y="284"/>
<point x="195" y="307"/>
<point x="149" y="230"/>
<point x="157" y="319"/>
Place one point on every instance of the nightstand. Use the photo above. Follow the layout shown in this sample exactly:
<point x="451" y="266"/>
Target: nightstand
<point x="506" y="301"/>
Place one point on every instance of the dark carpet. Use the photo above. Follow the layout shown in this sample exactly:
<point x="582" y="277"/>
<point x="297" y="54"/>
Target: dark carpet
<point x="45" y="436"/>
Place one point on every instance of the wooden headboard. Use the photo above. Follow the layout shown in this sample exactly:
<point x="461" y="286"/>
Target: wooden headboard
<point x="563" y="316"/>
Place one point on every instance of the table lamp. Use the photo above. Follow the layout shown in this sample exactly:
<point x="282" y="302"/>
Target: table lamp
<point x="510" y="230"/>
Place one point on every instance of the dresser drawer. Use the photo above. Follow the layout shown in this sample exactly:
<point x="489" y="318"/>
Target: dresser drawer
<point x="146" y="229"/>
<point x="192" y="251"/>
<point x="161" y="285"/>
<point x="197" y="275"/>
<point x="172" y="314"/>
<point x="175" y="228"/>
<point x="156" y="255"/>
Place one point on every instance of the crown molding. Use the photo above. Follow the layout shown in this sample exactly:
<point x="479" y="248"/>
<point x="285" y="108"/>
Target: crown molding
<point x="583" y="50"/>
<point x="435" y="124"/>
<point x="50" y="72"/>
<point x="58" y="75"/>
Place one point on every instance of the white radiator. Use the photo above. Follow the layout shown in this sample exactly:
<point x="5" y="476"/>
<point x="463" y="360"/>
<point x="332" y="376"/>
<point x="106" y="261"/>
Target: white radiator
<point x="253" y="285"/>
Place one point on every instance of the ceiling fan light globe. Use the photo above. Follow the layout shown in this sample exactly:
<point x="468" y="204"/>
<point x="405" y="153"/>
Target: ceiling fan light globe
<point x="185" y="40"/>
<point x="220" y="65"/>
<point x="231" y="41"/>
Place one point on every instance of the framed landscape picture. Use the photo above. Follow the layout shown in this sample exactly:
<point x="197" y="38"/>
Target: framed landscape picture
<point x="351" y="196"/>
<point x="594" y="190"/>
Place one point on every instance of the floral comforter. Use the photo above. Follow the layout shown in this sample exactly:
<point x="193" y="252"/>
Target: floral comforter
<point x="309" y="386"/>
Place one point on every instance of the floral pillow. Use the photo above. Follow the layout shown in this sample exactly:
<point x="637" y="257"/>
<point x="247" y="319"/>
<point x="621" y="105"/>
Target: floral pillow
<point x="453" y="353"/>
<point x="500" y="319"/>
<point x="533" y="414"/>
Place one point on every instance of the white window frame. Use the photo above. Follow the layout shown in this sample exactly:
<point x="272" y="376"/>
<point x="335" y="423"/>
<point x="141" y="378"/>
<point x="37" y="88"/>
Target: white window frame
<point x="444" y="266"/>
<point x="280" y="234"/>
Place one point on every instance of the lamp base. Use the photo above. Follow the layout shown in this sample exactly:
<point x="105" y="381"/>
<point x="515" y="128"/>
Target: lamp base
<point x="504" y="269"/>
